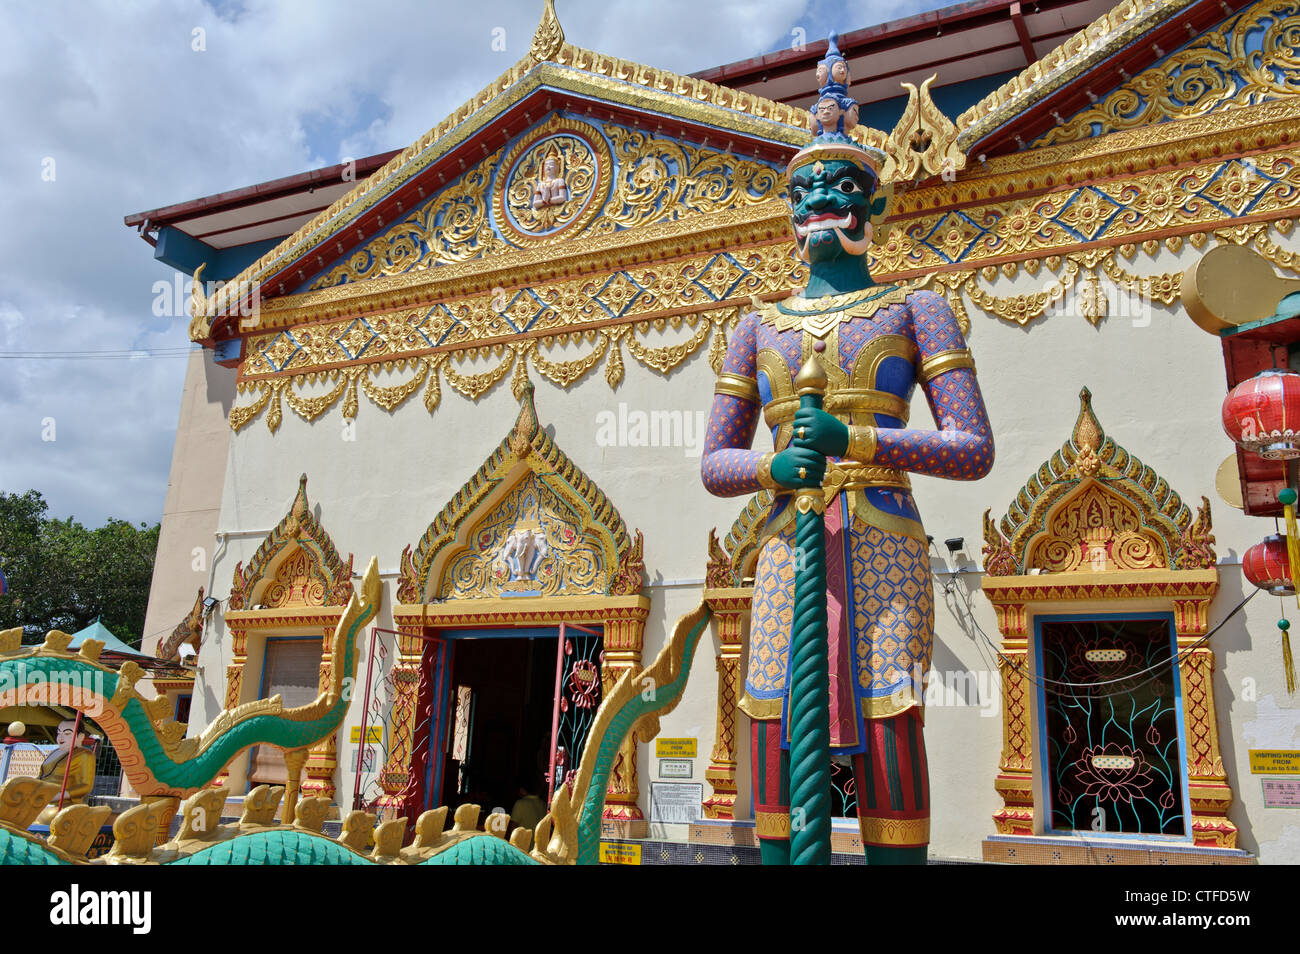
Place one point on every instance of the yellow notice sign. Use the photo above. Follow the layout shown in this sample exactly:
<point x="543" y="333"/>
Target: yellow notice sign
<point x="374" y="734"/>
<point x="1274" y="762"/>
<point x="616" y="854"/>
<point x="676" y="748"/>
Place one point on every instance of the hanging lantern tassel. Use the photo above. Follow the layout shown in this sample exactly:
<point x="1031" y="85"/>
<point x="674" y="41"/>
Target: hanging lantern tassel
<point x="1288" y="665"/>
<point x="1287" y="497"/>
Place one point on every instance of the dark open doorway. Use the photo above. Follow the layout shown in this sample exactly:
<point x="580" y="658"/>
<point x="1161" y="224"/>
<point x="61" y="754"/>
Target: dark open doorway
<point x="501" y="698"/>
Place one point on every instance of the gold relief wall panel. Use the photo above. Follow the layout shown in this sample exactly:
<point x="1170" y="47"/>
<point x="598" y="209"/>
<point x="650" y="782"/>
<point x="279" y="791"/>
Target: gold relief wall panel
<point x="705" y="232"/>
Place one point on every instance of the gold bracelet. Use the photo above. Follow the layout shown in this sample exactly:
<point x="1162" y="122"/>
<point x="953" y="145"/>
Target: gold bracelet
<point x="862" y="444"/>
<point x="765" y="478"/>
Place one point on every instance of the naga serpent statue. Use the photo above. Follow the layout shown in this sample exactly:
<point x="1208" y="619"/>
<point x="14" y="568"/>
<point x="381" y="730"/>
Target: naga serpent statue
<point x="164" y="767"/>
<point x="842" y="625"/>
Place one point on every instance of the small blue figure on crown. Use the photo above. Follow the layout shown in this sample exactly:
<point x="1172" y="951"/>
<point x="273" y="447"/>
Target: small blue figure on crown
<point x="836" y="112"/>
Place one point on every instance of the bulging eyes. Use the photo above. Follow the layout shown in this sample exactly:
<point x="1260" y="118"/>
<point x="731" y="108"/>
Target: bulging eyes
<point x="798" y="194"/>
<point x="848" y="187"/>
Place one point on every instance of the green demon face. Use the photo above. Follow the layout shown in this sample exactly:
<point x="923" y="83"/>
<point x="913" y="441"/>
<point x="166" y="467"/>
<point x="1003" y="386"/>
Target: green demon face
<point x="831" y="204"/>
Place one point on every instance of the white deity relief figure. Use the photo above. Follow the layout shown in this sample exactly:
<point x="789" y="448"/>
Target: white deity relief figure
<point x="524" y="549"/>
<point x="551" y="188"/>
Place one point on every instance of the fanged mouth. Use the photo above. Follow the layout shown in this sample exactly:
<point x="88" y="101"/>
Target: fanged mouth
<point x="824" y="222"/>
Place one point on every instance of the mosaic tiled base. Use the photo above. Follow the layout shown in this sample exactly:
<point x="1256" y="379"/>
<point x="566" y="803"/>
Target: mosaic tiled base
<point x="845" y="837"/>
<point x="618" y="828"/>
<point x="682" y="853"/>
<point x="1066" y="850"/>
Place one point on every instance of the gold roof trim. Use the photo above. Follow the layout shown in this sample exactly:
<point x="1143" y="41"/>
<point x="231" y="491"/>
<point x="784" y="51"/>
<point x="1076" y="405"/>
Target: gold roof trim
<point x="573" y="69"/>
<point x="1102" y="38"/>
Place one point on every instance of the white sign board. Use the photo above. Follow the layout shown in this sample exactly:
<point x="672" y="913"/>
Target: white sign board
<point x="676" y="803"/>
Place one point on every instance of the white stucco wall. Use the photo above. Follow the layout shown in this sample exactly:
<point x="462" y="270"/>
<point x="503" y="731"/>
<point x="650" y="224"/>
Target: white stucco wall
<point x="1157" y="387"/>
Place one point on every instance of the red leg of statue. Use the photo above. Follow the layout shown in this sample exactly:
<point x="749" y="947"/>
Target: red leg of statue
<point x="894" y="791"/>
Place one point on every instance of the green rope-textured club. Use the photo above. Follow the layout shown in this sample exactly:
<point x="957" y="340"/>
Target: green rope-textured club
<point x="810" y="737"/>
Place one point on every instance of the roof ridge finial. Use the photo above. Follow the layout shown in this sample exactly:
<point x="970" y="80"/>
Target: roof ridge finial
<point x="548" y="38"/>
<point x="1088" y="433"/>
<point x="526" y="424"/>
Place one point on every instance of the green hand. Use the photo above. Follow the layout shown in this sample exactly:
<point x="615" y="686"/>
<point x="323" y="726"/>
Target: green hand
<point x="819" y="431"/>
<point x="787" y="464"/>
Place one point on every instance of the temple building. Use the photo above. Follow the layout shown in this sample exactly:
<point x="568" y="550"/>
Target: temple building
<point x="488" y="360"/>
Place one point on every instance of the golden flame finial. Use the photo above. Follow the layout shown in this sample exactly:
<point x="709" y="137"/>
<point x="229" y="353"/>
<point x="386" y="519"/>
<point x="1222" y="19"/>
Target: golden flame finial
<point x="549" y="36"/>
<point x="811" y="378"/>
<point x="1087" y="429"/>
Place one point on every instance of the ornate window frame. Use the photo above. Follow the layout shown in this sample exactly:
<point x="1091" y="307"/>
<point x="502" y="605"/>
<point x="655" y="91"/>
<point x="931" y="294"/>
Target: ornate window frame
<point x="295" y="583"/>
<point x="1096" y="531"/>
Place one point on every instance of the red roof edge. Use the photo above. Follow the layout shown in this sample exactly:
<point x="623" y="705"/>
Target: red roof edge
<point x="848" y="42"/>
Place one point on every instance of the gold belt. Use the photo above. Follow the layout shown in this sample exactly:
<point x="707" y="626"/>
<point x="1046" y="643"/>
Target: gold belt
<point x="850" y="475"/>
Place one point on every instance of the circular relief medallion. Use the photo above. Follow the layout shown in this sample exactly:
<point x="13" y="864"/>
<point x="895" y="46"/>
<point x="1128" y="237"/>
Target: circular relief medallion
<point x="552" y="182"/>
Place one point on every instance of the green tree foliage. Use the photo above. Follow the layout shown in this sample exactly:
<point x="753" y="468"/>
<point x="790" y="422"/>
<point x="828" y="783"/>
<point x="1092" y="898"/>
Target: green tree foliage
<point x="63" y="575"/>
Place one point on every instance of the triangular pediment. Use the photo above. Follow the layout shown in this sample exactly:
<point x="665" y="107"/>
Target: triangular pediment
<point x="296" y="565"/>
<point x="438" y="191"/>
<point x="529" y="523"/>
<point x="568" y="177"/>
<point x="1095" y="506"/>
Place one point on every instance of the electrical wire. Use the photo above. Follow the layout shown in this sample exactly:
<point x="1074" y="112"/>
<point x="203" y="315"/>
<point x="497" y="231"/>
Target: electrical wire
<point x="1127" y="681"/>
<point x="106" y="355"/>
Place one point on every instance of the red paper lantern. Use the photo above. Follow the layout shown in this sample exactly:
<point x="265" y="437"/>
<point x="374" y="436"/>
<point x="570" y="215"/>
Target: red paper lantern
<point x="1265" y="565"/>
<point x="1262" y="414"/>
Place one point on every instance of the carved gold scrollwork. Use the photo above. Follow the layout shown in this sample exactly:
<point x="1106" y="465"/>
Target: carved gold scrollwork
<point x="1250" y="59"/>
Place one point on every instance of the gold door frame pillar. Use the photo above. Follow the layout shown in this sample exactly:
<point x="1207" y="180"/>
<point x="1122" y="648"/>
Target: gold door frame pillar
<point x="1207" y="780"/>
<point x="731" y="607"/>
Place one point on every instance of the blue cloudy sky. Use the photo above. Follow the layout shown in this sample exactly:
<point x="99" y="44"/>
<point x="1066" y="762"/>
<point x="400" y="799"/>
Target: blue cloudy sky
<point x="109" y="109"/>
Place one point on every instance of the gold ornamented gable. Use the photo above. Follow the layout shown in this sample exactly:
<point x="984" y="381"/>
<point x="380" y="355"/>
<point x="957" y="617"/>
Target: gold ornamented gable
<point x="567" y="177"/>
<point x="297" y="565"/>
<point x="1250" y="58"/>
<point x="528" y="523"/>
<point x="1094" y="506"/>
<point x="732" y="561"/>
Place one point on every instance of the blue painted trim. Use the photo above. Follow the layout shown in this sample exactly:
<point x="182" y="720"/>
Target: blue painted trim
<point x="185" y="253"/>
<point x="1041" y="694"/>
<point x="523" y="632"/>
